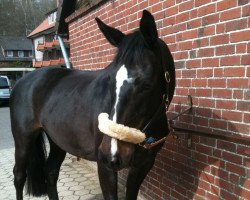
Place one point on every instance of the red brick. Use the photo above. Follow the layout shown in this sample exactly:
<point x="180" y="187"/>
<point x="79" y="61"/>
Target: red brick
<point x="241" y="48"/>
<point x="228" y="146"/>
<point x="220" y="39"/>
<point x="190" y="34"/>
<point x="222" y="93"/>
<point x="248" y="72"/>
<point x="156" y="8"/>
<point x="205" y="10"/>
<point x="245" y="59"/>
<point x="193" y="63"/>
<point x="242" y="83"/>
<point x="218" y="72"/>
<point x="230" y="61"/>
<point x="207" y="52"/>
<point x="233" y="158"/>
<point x="186" y="45"/>
<point x="188" y="73"/>
<point x="204" y="73"/>
<point x="225" y="104"/>
<point x="234" y="72"/>
<point x="218" y="124"/>
<point x="217" y="83"/>
<point x="210" y="62"/>
<point x="226" y="194"/>
<point x="240" y="36"/>
<point x="203" y="149"/>
<point x="203" y="92"/>
<point x="169" y="3"/>
<point x="243" y="106"/>
<point x="185" y="6"/>
<point x="220" y="28"/>
<point x="247" y="95"/>
<point x="210" y="30"/>
<point x="204" y="185"/>
<point x="182" y="17"/>
<point x="232" y="115"/>
<point x="239" y="128"/>
<point x="244" y="193"/>
<point x="236" y="169"/>
<point x="201" y="2"/>
<point x="231" y="14"/>
<point x="194" y="23"/>
<point x="211" y="19"/>
<point x="243" y="2"/>
<point x="199" y="83"/>
<point x="225" y="50"/>
<point x="211" y="196"/>
<point x="243" y="150"/>
<point x="184" y="83"/>
<point x="236" y="25"/>
<point x="224" y="5"/>
<point x="246" y="11"/>
<point x="246" y="118"/>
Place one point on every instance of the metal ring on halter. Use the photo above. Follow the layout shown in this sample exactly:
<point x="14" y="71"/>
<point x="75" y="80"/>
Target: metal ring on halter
<point x="167" y="77"/>
<point x="166" y="100"/>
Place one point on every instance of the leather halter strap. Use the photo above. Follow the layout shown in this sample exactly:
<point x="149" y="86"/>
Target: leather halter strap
<point x="165" y="102"/>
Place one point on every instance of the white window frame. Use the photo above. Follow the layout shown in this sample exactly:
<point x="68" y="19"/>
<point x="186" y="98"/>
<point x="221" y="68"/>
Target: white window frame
<point x="9" y="54"/>
<point x="52" y="18"/>
<point x="20" y="54"/>
<point x="30" y="54"/>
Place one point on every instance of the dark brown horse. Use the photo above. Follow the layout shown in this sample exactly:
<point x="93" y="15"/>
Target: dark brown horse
<point x="65" y="105"/>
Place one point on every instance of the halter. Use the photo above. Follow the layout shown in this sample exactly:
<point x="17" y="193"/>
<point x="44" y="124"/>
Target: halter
<point x="121" y="132"/>
<point x="151" y="142"/>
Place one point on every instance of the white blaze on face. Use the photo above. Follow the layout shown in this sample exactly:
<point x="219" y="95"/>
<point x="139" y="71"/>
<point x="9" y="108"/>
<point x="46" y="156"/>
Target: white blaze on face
<point x="121" y="76"/>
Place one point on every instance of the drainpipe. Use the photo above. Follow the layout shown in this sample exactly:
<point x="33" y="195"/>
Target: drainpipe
<point x="64" y="52"/>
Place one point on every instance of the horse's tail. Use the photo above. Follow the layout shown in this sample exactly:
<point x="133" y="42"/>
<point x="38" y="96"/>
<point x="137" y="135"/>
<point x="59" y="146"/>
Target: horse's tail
<point x="36" y="184"/>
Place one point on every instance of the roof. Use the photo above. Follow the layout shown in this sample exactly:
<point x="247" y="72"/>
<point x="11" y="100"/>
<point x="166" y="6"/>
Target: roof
<point x="15" y="43"/>
<point x="44" y="26"/>
<point x="70" y="9"/>
<point x="65" y="8"/>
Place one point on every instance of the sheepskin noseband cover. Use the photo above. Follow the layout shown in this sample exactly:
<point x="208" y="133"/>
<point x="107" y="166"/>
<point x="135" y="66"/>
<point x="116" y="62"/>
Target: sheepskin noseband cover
<point x="119" y="131"/>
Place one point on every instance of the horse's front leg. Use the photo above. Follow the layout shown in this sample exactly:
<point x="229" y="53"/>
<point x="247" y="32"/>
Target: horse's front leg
<point x="135" y="178"/>
<point x="108" y="182"/>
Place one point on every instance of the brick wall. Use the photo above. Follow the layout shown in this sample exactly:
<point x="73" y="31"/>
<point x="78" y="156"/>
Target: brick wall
<point x="209" y="40"/>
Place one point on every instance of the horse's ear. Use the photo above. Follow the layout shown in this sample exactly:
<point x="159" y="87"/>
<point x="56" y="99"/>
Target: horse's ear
<point x="113" y="35"/>
<point x="148" y="28"/>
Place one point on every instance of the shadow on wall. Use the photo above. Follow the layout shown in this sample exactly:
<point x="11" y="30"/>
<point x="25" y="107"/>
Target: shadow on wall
<point x="210" y="169"/>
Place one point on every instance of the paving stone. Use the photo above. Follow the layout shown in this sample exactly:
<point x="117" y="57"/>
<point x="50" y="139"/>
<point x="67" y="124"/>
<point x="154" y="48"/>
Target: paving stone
<point x="82" y="192"/>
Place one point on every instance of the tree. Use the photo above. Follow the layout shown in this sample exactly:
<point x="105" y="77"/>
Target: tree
<point x="20" y="17"/>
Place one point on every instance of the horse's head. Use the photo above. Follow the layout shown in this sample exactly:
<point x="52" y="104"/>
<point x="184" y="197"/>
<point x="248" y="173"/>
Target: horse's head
<point x="138" y="85"/>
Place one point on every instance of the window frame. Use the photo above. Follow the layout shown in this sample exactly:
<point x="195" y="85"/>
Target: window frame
<point x="18" y="53"/>
<point x="30" y="54"/>
<point x="9" y="54"/>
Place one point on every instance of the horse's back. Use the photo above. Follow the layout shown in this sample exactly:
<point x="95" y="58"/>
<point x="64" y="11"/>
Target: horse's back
<point x="29" y="93"/>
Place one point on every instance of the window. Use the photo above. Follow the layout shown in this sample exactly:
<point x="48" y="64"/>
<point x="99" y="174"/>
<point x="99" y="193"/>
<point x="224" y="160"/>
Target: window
<point x="30" y="54"/>
<point x="4" y="83"/>
<point x="20" y="54"/>
<point x="9" y="53"/>
<point x="52" y="18"/>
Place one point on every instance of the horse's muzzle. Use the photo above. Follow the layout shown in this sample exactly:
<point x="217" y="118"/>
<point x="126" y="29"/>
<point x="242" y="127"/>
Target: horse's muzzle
<point x="112" y="162"/>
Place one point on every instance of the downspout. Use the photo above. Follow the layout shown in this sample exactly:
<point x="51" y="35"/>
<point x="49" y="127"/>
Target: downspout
<point x="64" y="52"/>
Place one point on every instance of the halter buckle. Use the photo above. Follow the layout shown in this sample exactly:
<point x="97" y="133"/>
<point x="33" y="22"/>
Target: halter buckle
<point x="167" y="77"/>
<point x="165" y="99"/>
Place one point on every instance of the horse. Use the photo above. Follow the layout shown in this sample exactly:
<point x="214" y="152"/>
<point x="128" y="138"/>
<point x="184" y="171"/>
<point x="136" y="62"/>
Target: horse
<point x="65" y="105"/>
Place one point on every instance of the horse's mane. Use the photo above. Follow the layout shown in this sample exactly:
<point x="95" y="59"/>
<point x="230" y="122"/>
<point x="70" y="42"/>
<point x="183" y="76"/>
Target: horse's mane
<point x="130" y="51"/>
